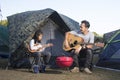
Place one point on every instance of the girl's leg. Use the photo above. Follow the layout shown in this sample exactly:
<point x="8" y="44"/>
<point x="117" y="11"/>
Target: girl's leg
<point x="47" y="57"/>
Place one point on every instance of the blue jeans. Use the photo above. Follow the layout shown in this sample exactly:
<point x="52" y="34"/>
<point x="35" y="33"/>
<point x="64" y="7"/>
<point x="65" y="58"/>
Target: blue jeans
<point x="84" y="53"/>
<point x="38" y="57"/>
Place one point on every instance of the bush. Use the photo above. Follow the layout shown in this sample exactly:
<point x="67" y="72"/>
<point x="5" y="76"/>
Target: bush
<point x="4" y="23"/>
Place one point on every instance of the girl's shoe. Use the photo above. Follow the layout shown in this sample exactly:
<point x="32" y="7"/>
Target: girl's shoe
<point x="42" y="68"/>
<point x="36" y="68"/>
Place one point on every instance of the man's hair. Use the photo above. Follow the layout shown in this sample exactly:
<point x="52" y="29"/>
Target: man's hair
<point x="87" y="24"/>
<point x="36" y="35"/>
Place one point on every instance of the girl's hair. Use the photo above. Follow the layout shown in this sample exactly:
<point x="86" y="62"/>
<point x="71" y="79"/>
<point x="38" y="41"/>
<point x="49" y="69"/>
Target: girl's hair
<point x="36" y="35"/>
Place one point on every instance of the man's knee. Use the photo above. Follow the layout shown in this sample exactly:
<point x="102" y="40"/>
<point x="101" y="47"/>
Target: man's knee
<point x="89" y="52"/>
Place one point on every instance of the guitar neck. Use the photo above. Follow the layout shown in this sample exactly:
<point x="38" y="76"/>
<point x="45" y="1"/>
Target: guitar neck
<point x="86" y="43"/>
<point x="96" y="44"/>
<point x="47" y="45"/>
<point x="44" y="46"/>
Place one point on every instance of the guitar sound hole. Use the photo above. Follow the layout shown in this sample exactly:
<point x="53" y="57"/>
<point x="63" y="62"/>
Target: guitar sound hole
<point x="75" y="42"/>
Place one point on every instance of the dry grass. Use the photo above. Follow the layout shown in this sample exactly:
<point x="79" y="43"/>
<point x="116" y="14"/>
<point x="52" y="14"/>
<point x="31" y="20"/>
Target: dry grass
<point x="58" y="74"/>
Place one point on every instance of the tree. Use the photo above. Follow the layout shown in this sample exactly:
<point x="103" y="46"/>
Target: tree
<point x="3" y="22"/>
<point x="98" y="37"/>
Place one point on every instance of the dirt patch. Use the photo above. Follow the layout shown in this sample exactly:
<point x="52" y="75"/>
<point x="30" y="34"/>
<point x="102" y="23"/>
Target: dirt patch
<point x="58" y="74"/>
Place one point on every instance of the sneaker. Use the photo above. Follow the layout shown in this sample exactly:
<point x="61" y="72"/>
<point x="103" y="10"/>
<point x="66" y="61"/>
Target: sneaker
<point x="35" y="68"/>
<point x="42" y="68"/>
<point x="75" y="69"/>
<point x="87" y="71"/>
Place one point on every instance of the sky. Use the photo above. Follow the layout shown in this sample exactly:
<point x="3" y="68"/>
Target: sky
<point x="103" y="15"/>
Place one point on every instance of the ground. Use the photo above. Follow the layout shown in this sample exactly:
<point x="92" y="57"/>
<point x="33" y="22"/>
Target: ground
<point x="55" y="74"/>
<point x="58" y="74"/>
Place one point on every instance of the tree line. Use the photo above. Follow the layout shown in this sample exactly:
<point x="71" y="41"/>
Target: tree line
<point x="3" y="22"/>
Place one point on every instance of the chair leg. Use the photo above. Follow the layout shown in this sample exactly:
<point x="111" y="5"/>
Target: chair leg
<point x="32" y="63"/>
<point x="7" y="67"/>
<point x="8" y="63"/>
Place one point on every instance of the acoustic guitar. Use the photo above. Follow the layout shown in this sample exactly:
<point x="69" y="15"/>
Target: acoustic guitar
<point x="75" y="42"/>
<point x="43" y="46"/>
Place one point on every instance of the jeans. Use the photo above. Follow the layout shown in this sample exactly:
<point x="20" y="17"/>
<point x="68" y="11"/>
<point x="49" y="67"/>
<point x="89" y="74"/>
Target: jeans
<point x="84" y="53"/>
<point x="38" y="57"/>
<point x="87" y="55"/>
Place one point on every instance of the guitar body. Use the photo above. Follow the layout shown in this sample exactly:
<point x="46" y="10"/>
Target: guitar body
<point x="31" y="51"/>
<point x="44" y="46"/>
<point x="73" y="41"/>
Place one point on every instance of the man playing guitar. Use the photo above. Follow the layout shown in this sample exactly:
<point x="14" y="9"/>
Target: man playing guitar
<point x="83" y="50"/>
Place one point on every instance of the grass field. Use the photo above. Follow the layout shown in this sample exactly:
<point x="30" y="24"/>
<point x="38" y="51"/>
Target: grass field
<point x="55" y="74"/>
<point x="58" y="74"/>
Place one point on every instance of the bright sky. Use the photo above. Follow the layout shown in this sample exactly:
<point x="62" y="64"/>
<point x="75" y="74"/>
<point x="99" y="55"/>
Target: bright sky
<point x="103" y="15"/>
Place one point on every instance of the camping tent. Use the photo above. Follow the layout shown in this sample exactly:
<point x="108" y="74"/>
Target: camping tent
<point x="110" y="56"/>
<point x="22" y="26"/>
<point x="3" y="35"/>
<point x="4" y="42"/>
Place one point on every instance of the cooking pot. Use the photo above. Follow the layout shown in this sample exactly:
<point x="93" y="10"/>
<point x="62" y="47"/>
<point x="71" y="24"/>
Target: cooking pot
<point x="64" y="61"/>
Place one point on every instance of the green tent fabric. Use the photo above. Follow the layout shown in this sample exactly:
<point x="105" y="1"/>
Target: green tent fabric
<point x="4" y="35"/>
<point x="110" y="56"/>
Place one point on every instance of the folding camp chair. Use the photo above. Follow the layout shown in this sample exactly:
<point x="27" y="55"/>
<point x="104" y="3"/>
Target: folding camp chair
<point x="32" y="59"/>
<point x="97" y="52"/>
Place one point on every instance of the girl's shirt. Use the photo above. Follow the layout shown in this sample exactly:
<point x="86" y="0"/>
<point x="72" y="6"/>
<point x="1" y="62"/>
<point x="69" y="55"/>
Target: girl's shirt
<point x="36" y="46"/>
